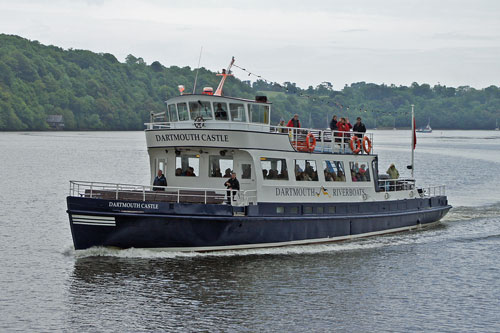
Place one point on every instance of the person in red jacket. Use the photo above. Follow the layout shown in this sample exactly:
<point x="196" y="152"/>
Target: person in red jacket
<point x="294" y="122"/>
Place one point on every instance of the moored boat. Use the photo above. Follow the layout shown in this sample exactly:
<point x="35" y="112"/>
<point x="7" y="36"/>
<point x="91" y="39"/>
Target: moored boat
<point x="296" y="185"/>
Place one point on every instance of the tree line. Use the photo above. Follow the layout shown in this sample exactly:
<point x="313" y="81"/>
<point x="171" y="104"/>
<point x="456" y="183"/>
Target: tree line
<point x="95" y="91"/>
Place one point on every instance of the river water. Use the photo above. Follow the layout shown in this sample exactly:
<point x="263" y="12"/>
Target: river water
<point x="443" y="279"/>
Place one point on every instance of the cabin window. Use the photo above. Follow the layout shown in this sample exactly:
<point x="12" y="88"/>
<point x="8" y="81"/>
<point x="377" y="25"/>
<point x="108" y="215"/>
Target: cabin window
<point x="220" y="166"/>
<point x="359" y="172"/>
<point x="305" y="170"/>
<point x="200" y="109"/>
<point x="172" y="112"/>
<point x="331" y="209"/>
<point x="187" y="166"/>
<point x="319" y="210"/>
<point x="220" y="110"/>
<point x="259" y="113"/>
<point x="246" y="171"/>
<point x="293" y="210"/>
<point x="280" y="210"/>
<point x="237" y="112"/>
<point x="183" y="111"/>
<point x="308" y="210"/>
<point x="274" y="168"/>
<point x="334" y="171"/>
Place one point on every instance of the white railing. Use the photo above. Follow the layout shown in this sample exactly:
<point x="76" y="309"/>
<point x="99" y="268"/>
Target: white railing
<point x="327" y="140"/>
<point x="116" y="191"/>
<point x="432" y="191"/>
<point x="400" y="184"/>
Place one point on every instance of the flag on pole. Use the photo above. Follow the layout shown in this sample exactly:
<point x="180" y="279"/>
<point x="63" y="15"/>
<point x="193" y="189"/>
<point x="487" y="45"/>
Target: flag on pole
<point x="414" y="133"/>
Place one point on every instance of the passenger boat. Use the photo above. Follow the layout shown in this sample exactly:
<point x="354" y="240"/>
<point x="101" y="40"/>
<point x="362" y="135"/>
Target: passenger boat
<point x="297" y="185"/>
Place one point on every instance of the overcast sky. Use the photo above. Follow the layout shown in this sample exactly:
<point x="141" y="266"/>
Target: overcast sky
<point x="392" y="41"/>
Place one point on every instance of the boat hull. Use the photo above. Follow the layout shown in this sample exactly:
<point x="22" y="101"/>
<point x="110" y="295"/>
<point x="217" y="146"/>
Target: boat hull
<point x="197" y="227"/>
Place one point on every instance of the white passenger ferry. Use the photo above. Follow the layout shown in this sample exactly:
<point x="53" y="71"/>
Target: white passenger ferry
<point x="297" y="185"/>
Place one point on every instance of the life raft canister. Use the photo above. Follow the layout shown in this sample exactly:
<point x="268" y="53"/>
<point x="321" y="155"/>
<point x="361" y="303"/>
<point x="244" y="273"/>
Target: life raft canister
<point x="366" y="148"/>
<point x="310" y="142"/>
<point x="355" y="141"/>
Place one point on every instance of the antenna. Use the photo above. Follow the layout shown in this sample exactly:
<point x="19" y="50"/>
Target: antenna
<point x="197" y="70"/>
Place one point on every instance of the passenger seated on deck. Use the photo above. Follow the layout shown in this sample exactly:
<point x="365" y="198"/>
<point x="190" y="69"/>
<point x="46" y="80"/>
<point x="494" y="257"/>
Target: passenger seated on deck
<point x="220" y="113"/>
<point x="264" y="173"/>
<point x="160" y="180"/>
<point x="340" y="176"/>
<point x="178" y="172"/>
<point x="217" y="173"/>
<point x="190" y="172"/>
<point x="273" y="174"/>
<point x="227" y="173"/>
<point x="328" y="175"/>
<point x="362" y="173"/>
<point x="354" y="178"/>
<point x="283" y="175"/>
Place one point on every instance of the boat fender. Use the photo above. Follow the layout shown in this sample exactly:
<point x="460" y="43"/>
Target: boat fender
<point x="199" y="122"/>
<point x="310" y="142"/>
<point x="386" y="195"/>
<point x="367" y="148"/>
<point x="355" y="141"/>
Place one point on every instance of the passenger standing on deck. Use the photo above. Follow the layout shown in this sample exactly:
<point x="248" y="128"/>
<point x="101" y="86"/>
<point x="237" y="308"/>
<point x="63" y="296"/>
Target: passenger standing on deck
<point x="232" y="185"/>
<point x="333" y="123"/>
<point x="160" y="180"/>
<point x="359" y="127"/>
<point x="294" y="122"/>
<point x="393" y="172"/>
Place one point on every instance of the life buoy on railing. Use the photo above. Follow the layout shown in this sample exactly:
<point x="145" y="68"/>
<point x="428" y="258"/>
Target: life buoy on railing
<point x="310" y="142"/>
<point x="366" y="148"/>
<point x="199" y="122"/>
<point x="355" y="141"/>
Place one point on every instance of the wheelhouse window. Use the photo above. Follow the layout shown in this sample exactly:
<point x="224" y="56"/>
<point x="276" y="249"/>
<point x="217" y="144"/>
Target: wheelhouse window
<point x="172" y="113"/>
<point x="305" y="170"/>
<point x="259" y="113"/>
<point x="246" y="171"/>
<point x="220" y="166"/>
<point x="334" y="171"/>
<point x="220" y="110"/>
<point x="187" y="166"/>
<point x="237" y="112"/>
<point x="359" y="172"/>
<point x="183" y="111"/>
<point x="274" y="168"/>
<point x="200" y="109"/>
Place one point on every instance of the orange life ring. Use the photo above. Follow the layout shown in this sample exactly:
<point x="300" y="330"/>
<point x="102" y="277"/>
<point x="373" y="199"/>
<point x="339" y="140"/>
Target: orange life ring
<point x="310" y="142"/>
<point x="355" y="141"/>
<point x="369" y="148"/>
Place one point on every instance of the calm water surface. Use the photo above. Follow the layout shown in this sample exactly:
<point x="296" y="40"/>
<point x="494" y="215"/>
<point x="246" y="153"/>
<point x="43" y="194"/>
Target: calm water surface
<point x="443" y="279"/>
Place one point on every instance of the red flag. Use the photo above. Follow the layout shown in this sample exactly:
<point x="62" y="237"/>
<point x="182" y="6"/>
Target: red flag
<point x="414" y="134"/>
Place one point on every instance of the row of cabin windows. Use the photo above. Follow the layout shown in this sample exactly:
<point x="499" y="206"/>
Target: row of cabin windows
<point x="257" y="113"/>
<point x="219" y="166"/>
<point x="306" y="210"/>
<point x="306" y="170"/>
<point x="272" y="169"/>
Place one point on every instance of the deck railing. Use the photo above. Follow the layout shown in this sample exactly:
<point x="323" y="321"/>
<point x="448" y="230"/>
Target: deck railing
<point x="406" y="184"/>
<point x="131" y="192"/>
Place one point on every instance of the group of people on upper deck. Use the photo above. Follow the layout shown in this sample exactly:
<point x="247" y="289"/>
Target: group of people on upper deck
<point x="342" y="125"/>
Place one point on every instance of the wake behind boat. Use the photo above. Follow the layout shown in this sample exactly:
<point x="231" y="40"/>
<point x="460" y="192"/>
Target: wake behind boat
<point x="296" y="185"/>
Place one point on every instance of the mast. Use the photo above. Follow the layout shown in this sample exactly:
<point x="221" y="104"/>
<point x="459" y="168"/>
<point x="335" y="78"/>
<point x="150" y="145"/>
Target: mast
<point x="196" y="76"/>
<point x="225" y="73"/>
<point x="413" y="139"/>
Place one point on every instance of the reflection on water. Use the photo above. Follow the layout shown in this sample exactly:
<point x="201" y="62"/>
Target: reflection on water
<point x="446" y="278"/>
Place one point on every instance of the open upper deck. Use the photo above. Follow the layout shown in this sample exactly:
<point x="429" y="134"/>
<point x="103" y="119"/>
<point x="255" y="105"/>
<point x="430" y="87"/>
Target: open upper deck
<point x="200" y="112"/>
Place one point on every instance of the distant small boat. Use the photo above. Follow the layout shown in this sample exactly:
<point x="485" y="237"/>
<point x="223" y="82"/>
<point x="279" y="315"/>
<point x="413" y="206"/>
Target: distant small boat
<point x="426" y="129"/>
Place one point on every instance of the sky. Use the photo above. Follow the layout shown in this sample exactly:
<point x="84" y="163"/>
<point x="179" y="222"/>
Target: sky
<point x="453" y="43"/>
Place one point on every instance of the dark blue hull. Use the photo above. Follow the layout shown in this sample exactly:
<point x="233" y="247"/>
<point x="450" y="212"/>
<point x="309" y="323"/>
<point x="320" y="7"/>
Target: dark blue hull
<point x="200" y="227"/>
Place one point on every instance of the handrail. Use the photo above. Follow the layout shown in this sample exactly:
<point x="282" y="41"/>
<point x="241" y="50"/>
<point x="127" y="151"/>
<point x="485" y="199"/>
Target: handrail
<point x="142" y="192"/>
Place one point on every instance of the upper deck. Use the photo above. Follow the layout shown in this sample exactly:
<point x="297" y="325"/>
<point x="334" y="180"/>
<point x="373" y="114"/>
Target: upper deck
<point x="238" y="123"/>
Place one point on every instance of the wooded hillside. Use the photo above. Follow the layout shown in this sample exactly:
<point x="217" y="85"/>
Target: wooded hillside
<point x="97" y="92"/>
